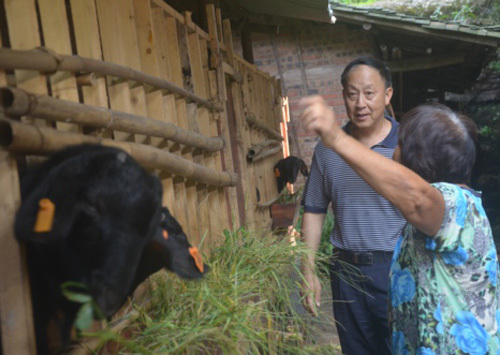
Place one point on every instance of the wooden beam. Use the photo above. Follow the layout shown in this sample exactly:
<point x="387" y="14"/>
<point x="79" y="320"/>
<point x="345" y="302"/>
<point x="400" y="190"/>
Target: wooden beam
<point x="425" y="63"/>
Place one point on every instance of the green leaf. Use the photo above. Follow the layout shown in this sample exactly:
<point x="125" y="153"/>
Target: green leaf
<point x="84" y="317"/>
<point x="75" y="292"/>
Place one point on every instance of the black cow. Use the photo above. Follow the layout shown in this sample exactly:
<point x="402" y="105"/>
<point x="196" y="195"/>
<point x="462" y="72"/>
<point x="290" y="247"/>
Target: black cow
<point x="106" y="213"/>
<point x="287" y="169"/>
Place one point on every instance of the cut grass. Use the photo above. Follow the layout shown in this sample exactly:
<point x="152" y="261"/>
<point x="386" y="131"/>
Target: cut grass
<point x="244" y="305"/>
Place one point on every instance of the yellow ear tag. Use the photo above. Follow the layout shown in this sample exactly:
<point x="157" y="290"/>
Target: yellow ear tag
<point x="45" y="216"/>
<point x="276" y="173"/>
<point x="198" y="260"/>
<point x="165" y="234"/>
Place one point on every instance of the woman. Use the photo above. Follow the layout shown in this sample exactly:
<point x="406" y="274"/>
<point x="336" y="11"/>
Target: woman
<point x="443" y="297"/>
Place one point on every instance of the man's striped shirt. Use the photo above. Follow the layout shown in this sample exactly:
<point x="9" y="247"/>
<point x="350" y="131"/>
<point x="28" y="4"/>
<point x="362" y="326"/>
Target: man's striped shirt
<point x="364" y="220"/>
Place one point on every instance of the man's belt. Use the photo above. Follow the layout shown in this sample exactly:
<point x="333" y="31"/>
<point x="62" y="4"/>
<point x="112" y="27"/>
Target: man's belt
<point x="362" y="258"/>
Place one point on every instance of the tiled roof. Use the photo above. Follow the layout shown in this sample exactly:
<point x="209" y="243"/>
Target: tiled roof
<point x="488" y="35"/>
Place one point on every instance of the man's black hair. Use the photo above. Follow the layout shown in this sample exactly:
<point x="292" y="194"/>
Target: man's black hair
<point x="375" y="63"/>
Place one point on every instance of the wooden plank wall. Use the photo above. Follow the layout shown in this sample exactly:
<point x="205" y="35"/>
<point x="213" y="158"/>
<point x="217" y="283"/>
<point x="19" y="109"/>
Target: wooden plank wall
<point x="151" y="37"/>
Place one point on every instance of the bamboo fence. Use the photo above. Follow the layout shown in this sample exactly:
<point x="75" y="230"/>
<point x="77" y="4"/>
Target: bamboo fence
<point x="138" y="75"/>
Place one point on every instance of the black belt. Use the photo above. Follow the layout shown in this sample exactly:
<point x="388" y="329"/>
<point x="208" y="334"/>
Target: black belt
<point x="362" y="258"/>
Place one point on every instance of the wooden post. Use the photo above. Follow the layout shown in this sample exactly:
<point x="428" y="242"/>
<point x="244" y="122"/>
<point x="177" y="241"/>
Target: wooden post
<point x="18" y="336"/>
<point x="16" y="316"/>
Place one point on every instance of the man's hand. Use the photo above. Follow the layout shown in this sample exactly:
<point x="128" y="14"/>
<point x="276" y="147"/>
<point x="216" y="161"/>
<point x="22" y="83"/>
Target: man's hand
<point x="318" y="117"/>
<point x="312" y="292"/>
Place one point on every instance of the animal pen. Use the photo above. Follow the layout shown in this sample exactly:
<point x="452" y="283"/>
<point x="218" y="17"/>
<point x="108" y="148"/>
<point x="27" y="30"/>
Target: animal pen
<point x="140" y="76"/>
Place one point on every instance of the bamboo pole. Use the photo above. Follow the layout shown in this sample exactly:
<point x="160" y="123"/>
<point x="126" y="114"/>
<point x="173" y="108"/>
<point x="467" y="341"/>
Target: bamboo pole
<point x="266" y="153"/>
<point x="252" y="121"/>
<point x="24" y="138"/>
<point x="259" y="148"/>
<point x="47" y="61"/>
<point x="17" y="102"/>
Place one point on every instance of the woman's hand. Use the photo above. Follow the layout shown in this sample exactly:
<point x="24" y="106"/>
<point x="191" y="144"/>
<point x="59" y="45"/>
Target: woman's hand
<point x="318" y="117"/>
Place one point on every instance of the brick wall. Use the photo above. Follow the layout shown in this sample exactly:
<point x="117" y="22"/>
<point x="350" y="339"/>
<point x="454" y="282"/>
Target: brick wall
<point x="324" y="50"/>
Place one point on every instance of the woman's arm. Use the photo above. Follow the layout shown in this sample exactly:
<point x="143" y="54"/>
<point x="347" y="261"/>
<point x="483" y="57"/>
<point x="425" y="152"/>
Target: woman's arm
<point x="420" y="203"/>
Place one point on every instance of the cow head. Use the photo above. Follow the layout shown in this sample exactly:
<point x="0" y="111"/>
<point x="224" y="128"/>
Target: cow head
<point x="170" y="249"/>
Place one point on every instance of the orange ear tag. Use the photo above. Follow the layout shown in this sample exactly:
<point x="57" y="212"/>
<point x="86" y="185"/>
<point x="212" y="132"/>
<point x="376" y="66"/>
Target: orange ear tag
<point x="198" y="260"/>
<point x="165" y="234"/>
<point x="276" y="173"/>
<point x="45" y="216"/>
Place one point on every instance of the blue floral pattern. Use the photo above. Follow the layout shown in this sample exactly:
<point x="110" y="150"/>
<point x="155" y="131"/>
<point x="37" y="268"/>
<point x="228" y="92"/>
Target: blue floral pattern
<point x="425" y="351"/>
<point x="470" y="336"/>
<point x="398" y="343"/>
<point x="443" y="288"/>
<point x="439" y="318"/>
<point x="402" y="285"/>
<point x="455" y="257"/>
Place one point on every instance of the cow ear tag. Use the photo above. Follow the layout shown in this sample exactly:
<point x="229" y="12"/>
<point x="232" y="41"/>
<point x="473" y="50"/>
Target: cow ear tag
<point x="276" y="173"/>
<point x="45" y="216"/>
<point x="198" y="260"/>
<point x="165" y="234"/>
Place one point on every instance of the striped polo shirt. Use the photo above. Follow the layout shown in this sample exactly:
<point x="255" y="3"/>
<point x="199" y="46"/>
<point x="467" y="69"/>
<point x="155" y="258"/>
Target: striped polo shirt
<point x="364" y="220"/>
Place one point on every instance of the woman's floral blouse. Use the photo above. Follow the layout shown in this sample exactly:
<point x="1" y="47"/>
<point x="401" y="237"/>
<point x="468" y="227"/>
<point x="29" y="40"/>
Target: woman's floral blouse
<point x="443" y="296"/>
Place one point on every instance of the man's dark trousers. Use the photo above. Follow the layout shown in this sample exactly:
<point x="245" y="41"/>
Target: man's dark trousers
<point x="360" y="306"/>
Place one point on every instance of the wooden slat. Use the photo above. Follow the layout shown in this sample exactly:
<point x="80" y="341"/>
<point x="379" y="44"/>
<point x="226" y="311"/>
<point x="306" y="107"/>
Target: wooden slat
<point x="16" y="316"/>
<point x="174" y="196"/>
<point x="24" y="34"/>
<point x="138" y="107"/>
<point x="203" y="117"/>
<point x="15" y="301"/>
<point x="163" y="63"/>
<point x="120" y="46"/>
<point x="170" y="11"/>
<point x="242" y="133"/>
<point x="214" y="119"/>
<point x="3" y="77"/>
<point x="246" y="134"/>
<point x="181" y="188"/>
<point x="88" y="44"/>
<point x="57" y="38"/>
<point x="215" y="57"/>
<point x="262" y="166"/>
<point x="162" y="107"/>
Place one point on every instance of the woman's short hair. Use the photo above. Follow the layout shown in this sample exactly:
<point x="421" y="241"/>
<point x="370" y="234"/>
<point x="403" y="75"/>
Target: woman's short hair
<point x="438" y="144"/>
<point x="372" y="62"/>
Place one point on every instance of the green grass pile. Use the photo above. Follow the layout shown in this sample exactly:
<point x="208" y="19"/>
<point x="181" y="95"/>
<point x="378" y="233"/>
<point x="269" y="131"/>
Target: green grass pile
<point x="244" y="305"/>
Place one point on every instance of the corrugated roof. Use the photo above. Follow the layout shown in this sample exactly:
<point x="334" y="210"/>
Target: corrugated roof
<point x="487" y="35"/>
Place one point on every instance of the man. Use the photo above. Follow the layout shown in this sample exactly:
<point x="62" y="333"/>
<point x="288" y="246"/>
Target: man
<point x="366" y="224"/>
